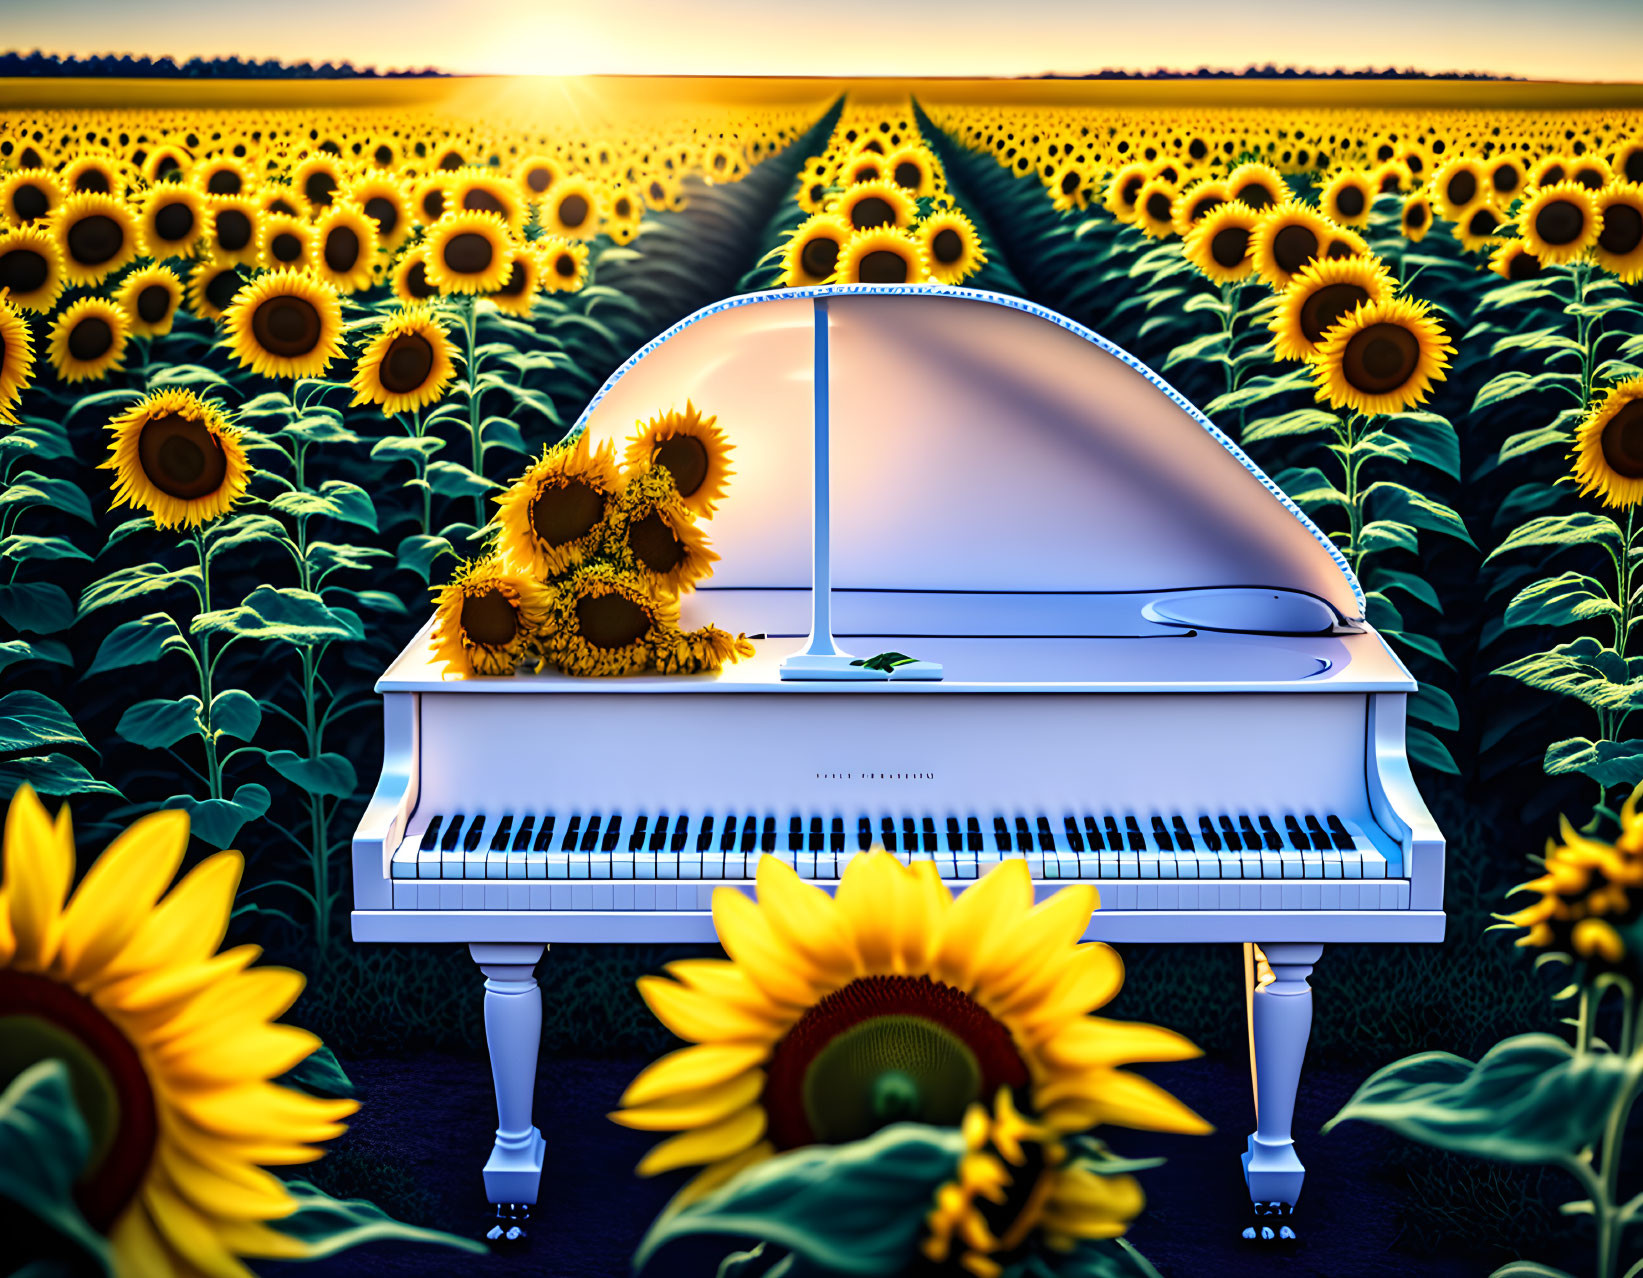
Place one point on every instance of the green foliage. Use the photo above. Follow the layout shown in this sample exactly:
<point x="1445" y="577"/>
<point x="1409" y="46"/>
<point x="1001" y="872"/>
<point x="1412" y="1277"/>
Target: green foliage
<point x="43" y="1146"/>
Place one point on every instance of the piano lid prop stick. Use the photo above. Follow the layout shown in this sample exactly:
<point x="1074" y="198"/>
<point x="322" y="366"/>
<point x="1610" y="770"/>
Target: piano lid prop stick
<point x="821" y="657"/>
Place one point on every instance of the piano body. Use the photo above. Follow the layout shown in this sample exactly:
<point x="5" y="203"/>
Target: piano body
<point x="1155" y="675"/>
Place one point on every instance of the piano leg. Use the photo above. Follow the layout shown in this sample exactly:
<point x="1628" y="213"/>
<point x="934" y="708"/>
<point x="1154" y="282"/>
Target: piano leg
<point x="513" y="1032"/>
<point x="1282" y="1017"/>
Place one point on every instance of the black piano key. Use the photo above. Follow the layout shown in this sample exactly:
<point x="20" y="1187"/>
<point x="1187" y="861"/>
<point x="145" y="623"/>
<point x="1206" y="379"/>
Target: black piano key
<point x="590" y="834"/>
<point x="1092" y="834"/>
<point x="504" y="832"/>
<point x="453" y="832"/>
<point x="1046" y="836"/>
<point x="727" y="840"/>
<point x="1138" y="841"/>
<point x="1273" y="842"/>
<point x="1297" y="836"/>
<point x="1252" y="840"/>
<point x="573" y="834"/>
<point x="1183" y="836"/>
<point x="931" y="840"/>
<point x="522" y="840"/>
<point x="430" y="836"/>
<point x="972" y="834"/>
<point x="613" y="832"/>
<point x="795" y="835"/>
<point x="864" y="834"/>
<point x="636" y="840"/>
<point x="704" y="840"/>
<point x="681" y="832"/>
<point x="955" y="835"/>
<point x="750" y="834"/>
<point x="887" y="829"/>
<point x="544" y="836"/>
<point x="475" y="832"/>
<point x="1075" y="840"/>
<point x="1337" y="831"/>
<point x="1229" y="836"/>
<point x="658" y="833"/>
<point x="1212" y="840"/>
<point x="835" y="835"/>
<point x="1160" y="835"/>
<point x="1001" y="834"/>
<point x="817" y="838"/>
<point x="1023" y="834"/>
<point x="767" y="836"/>
<point x="1115" y="840"/>
<point x="909" y="834"/>
<point x="1320" y="837"/>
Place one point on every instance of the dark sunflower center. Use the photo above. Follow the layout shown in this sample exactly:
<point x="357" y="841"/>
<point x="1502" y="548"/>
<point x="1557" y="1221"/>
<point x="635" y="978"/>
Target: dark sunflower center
<point x="383" y="155"/>
<point x="565" y="265"/>
<point x="489" y="619"/>
<point x="565" y="512"/>
<point x="1414" y="216"/>
<point x="281" y="205"/>
<point x="1560" y="222"/>
<point x="1483" y="222"/>
<point x="153" y="303"/>
<point x="29" y="202"/>
<point x="224" y="182"/>
<point x="1324" y="308"/>
<point x="947" y="246"/>
<point x="1381" y="358"/>
<point x="516" y="282"/>
<point x="1622" y="229"/>
<point x="286" y="326"/>
<point x="1523" y="266"/>
<point x="221" y="287"/>
<point x="574" y="210"/>
<point x="1339" y="249"/>
<point x="1253" y="194"/>
<point x="233" y="229"/>
<point x="384" y="212"/>
<point x="1463" y="188"/>
<point x="871" y="212"/>
<point x="1505" y="178"/>
<point x="433" y="204"/>
<point x="885" y="1049"/>
<point x="539" y="179"/>
<point x="1131" y="191"/>
<point x="285" y="247"/>
<point x="469" y="253"/>
<point x="1158" y="207"/>
<point x="92" y="180"/>
<point x="480" y="200"/>
<point x="1293" y="247"/>
<point x="1591" y="179"/>
<point x="685" y="458"/>
<point x="819" y="256"/>
<point x="95" y="239"/>
<point x="41" y="1019"/>
<point x="407" y="363"/>
<point x="1070" y="182"/>
<point x="1622" y="440"/>
<point x="342" y="248"/>
<point x="908" y="174"/>
<point x="22" y="270"/>
<point x="90" y="339"/>
<point x="883" y="267"/>
<point x="1349" y="200"/>
<point x="611" y="621"/>
<point x="1633" y="168"/>
<point x="654" y="545"/>
<point x="1206" y="204"/>
<point x="181" y="457"/>
<point x="319" y="188"/>
<point x="174" y="222"/>
<point x="416" y="281"/>
<point x="1229" y="245"/>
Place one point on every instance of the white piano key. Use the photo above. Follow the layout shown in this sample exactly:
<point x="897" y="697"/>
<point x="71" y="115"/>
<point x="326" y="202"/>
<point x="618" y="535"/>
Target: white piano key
<point x="518" y="866"/>
<point x="713" y="865"/>
<point x="1312" y="863"/>
<point x="1035" y="865"/>
<point x="644" y="865"/>
<point x="690" y="867"/>
<point x="576" y="864"/>
<point x="1169" y="867"/>
<point x="1272" y="866"/>
<point x="536" y="866"/>
<point x="947" y="867"/>
<point x="1351" y="864"/>
<point x="667" y="865"/>
<point x="1231" y="865"/>
<point x="452" y="865"/>
<point x="805" y="864"/>
<point x="496" y="865"/>
<point x="1332" y="867"/>
<point x="429" y="865"/>
<point x="404" y="864"/>
<point x="1374" y="865"/>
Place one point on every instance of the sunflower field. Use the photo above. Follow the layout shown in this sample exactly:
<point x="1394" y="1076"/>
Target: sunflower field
<point x="275" y="384"/>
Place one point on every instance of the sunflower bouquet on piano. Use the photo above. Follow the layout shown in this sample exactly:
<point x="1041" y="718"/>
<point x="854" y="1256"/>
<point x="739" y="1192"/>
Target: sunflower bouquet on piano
<point x="588" y="557"/>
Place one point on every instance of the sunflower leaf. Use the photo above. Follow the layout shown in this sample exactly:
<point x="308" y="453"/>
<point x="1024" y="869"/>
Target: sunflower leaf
<point x="1426" y="750"/>
<point x="1432" y="439"/>
<point x="160" y="722"/>
<point x="61" y="494"/>
<point x="320" y="1074"/>
<point x="329" y="1225"/>
<point x="353" y="504"/>
<point x="218" y="822"/>
<point x="36" y="607"/>
<point x="16" y="651"/>
<point x="22" y="547"/>
<point x="283" y="613"/>
<point x="55" y="774"/>
<point x="1410" y="507"/>
<point x="1559" y="601"/>
<point x="451" y="479"/>
<point x="326" y="774"/>
<point x="31" y="722"/>
<point x="1579" y="528"/>
<point x="43" y="1147"/>
<point x="136" y="643"/>
<point x="1606" y="762"/>
<point x="405" y="448"/>
<point x="1301" y="421"/>
<point x="243" y="530"/>
<point x="136" y="582"/>
<point x="418" y="552"/>
<point x="236" y="713"/>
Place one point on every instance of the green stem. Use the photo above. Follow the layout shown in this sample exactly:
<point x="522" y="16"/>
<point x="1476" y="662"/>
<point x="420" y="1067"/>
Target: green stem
<point x="1610" y="1225"/>
<point x="470" y="330"/>
<point x="213" y="768"/>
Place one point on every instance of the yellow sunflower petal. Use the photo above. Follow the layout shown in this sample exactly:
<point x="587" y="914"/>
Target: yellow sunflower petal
<point x="248" y="1194"/>
<point x="691" y="1069"/>
<point x="890" y="913"/>
<point x="723" y="1139"/>
<point x="694" y="1109"/>
<point x="189" y="924"/>
<point x="748" y="938"/>
<point x="699" y="1017"/>
<point x="1120" y="1098"/>
<point x="806" y="918"/>
<point x="139" y="1250"/>
<point x="189" y="1232"/>
<point x="119" y="890"/>
<point x="213" y="1055"/>
<point x="39" y="866"/>
<point x="1090" y="980"/>
<point x="264" y="1111"/>
<point x="8" y="943"/>
<point x="241" y="1002"/>
<point x="980" y="915"/>
<point x="1095" y="1041"/>
<point x="710" y="1178"/>
<point x="158" y="993"/>
<point x="1016" y="969"/>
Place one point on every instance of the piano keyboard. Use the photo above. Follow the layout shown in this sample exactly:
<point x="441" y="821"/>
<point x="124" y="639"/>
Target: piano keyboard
<point x="556" y="860"/>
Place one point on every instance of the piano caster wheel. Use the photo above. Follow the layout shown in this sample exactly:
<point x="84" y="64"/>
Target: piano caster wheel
<point x="510" y="1224"/>
<point x="1271" y="1228"/>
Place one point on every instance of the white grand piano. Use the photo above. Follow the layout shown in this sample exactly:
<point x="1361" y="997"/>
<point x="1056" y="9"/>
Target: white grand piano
<point x="1141" y="665"/>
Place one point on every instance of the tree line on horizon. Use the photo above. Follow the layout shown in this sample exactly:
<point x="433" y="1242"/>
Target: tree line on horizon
<point x="1272" y="71"/>
<point x="14" y="63"/>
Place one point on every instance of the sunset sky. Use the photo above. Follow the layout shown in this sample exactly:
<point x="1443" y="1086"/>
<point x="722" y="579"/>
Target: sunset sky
<point x="1573" y="39"/>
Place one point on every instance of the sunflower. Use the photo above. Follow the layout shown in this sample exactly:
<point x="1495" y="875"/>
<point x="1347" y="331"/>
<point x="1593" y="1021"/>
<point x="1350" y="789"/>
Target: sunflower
<point x="88" y="340"/>
<point x="951" y="246"/>
<point x="573" y="208"/>
<point x="1507" y="174"/>
<point x="869" y="205"/>
<point x="812" y="252"/>
<point x="410" y="277"/>
<point x="486" y="619"/>
<point x="1345" y="242"/>
<point x="173" y="222"/>
<point x="468" y="253"/>
<point x="564" y="264"/>
<point x="1155" y="208"/>
<point x="99" y="173"/>
<point x="170" y="1046"/>
<point x="345" y="247"/>
<point x="914" y="169"/>
<point x="1478" y="227"/>
<point x="382" y="198"/>
<point x="1257" y="185"/>
<point x="95" y="235"/>
<point x="1588" y="891"/>
<point x="537" y="173"/>
<point x="151" y="297"/>
<point x="1195" y="202"/>
<point x="868" y="166"/>
<point x="16" y="359"/>
<point x="1458" y="185"/>
<point x="1124" y="190"/>
<point x="285" y="324"/>
<point x="1415" y="220"/>
<point x="430" y="198"/>
<point x="1319" y="297"/>
<point x="664" y="195"/>
<point x="1286" y="238"/>
<point x="1609" y="447"/>
<point x="1384" y="357"/>
<point x="1549" y="170"/>
<point x="692" y="448"/>
<point x="28" y="195"/>
<point x="1591" y="172"/>
<point x="233" y="229"/>
<point x="1513" y="261"/>
<point x="175" y="456"/>
<point x="1219" y="245"/>
<point x="704" y="651"/>
<point x="316" y="181"/>
<point x="1014" y="1179"/>
<point x="1391" y="177"/>
<point x="166" y="163"/>
<point x="884" y="255"/>
<point x="222" y="175"/>
<point x="624" y="214"/>
<point x="285" y="242"/>
<point x="31" y="268"/>
<point x="604" y="622"/>
<point x="407" y="365"/>
<point x="1070" y="187"/>
<point x="478" y="191"/>
<point x="551" y="518"/>
<point x="835" y="1015"/>
<point x="1348" y="199"/>
<point x="651" y="531"/>
<point x="1558" y="222"/>
<point x="212" y="286"/>
<point x="1619" y="247"/>
<point x="1627" y="161"/>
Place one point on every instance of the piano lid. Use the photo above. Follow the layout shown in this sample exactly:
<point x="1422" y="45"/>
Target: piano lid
<point x="980" y="443"/>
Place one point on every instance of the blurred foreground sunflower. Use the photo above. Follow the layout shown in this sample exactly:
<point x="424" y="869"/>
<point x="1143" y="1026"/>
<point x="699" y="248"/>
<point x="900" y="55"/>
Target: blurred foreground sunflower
<point x="1608" y="456"/>
<point x="835" y="1016"/>
<point x="1384" y="357"/>
<point x="407" y="365"/>
<point x="175" y="456"/>
<point x="169" y="1046"/>
<point x="692" y="448"/>
<point x="486" y="619"/>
